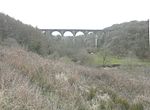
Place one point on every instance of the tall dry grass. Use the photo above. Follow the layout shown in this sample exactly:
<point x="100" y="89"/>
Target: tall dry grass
<point x="17" y="93"/>
<point x="29" y="81"/>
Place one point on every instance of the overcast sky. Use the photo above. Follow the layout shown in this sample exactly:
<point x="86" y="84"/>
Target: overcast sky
<point x="79" y="14"/>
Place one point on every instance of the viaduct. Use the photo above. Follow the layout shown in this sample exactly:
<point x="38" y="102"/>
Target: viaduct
<point x="48" y="32"/>
<point x="73" y="31"/>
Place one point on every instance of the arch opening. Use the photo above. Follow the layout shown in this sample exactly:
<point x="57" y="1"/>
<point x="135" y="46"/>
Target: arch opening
<point x="43" y="32"/>
<point x="90" y="33"/>
<point x="56" y="33"/>
<point x="80" y="33"/>
<point x="68" y="34"/>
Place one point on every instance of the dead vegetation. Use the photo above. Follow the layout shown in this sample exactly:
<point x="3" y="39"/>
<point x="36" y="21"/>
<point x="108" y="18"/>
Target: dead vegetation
<point x="31" y="82"/>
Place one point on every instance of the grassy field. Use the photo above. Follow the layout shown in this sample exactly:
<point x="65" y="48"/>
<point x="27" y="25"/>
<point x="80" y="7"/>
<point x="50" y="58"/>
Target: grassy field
<point x="31" y="82"/>
<point x="110" y="60"/>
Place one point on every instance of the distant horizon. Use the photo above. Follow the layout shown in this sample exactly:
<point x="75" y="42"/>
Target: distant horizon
<point x="35" y="26"/>
<point x="91" y="28"/>
<point x="75" y="14"/>
<point x="74" y="28"/>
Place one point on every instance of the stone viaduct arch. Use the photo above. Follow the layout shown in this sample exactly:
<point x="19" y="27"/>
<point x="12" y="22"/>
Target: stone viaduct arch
<point x="86" y="32"/>
<point x="73" y="31"/>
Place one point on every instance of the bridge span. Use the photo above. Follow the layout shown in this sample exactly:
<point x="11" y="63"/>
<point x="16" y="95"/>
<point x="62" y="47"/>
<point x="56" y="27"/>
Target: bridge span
<point x="97" y="33"/>
<point x="73" y="31"/>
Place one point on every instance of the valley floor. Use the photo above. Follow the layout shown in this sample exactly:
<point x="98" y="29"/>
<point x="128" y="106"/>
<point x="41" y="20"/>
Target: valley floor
<point x="31" y="82"/>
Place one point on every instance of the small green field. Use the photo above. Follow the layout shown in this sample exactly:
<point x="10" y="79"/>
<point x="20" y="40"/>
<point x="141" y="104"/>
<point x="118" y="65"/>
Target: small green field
<point x="110" y="60"/>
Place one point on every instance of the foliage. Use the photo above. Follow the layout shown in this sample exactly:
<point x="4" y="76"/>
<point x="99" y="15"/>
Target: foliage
<point x="25" y="35"/>
<point x="66" y="86"/>
<point x="33" y="82"/>
<point x="127" y="37"/>
<point x="137" y="106"/>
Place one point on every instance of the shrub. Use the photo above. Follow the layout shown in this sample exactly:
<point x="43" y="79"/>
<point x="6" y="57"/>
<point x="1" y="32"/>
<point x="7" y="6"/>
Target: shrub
<point x="10" y="42"/>
<point x="124" y="105"/>
<point x="92" y="93"/>
<point x="137" y="106"/>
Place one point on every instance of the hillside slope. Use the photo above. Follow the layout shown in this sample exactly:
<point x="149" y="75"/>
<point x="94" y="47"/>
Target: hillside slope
<point x="129" y="37"/>
<point x="29" y="81"/>
<point x="12" y="30"/>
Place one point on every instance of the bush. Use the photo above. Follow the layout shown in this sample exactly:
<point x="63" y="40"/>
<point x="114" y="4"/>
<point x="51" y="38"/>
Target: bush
<point x="124" y="105"/>
<point x="137" y="106"/>
<point x="10" y="42"/>
<point x="91" y="93"/>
